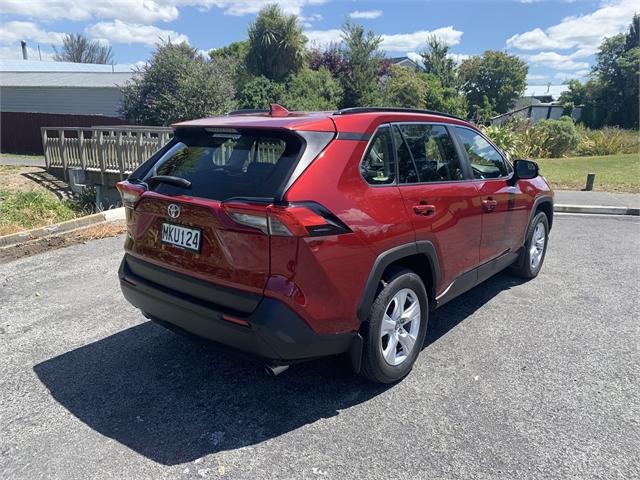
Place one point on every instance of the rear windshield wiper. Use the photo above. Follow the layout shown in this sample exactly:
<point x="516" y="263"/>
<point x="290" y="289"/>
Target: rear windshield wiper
<point x="258" y="200"/>
<point x="170" y="180"/>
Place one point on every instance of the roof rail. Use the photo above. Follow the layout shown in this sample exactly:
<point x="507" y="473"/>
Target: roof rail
<point x="351" y="110"/>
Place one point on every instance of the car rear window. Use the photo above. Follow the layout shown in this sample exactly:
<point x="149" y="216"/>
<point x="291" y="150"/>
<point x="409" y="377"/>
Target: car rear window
<point x="222" y="164"/>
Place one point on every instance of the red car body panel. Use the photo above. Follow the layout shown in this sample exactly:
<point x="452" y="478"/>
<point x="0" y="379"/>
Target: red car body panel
<point x="322" y="279"/>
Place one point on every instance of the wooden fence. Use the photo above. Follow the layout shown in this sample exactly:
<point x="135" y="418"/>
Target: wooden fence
<point x="112" y="150"/>
<point x="118" y="150"/>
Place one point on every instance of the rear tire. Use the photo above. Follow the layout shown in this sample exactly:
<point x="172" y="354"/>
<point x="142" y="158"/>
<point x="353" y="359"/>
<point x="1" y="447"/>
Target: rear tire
<point x="396" y="327"/>
<point x="535" y="248"/>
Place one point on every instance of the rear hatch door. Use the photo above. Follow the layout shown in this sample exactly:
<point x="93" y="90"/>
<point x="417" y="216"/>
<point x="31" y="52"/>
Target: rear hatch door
<point x="190" y="229"/>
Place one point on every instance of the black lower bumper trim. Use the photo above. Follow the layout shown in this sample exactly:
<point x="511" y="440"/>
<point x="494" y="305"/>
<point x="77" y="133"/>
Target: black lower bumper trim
<point x="275" y="333"/>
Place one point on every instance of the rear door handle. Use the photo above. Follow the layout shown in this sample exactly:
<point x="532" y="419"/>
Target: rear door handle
<point x="489" y="204"/>
<point x="425" y="210"/>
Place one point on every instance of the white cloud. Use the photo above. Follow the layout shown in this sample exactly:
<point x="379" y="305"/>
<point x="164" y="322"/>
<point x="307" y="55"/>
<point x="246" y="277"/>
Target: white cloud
<point x="399" y="42"/>
<point x="536" y="78"/>
<point x="323" y="38"/>
<point x="415" y="56"/>
<point x="14" y="52"/>
<point x="138" y="11"/>
<point x="307" y="20"/>
<point x="554" y="90"/>
<point x="583" y="32"/>
<point x="11" y="32"/>
<point x="366" y="14"/>
<point x="121" y="32"/>
<point x="458" y="57"/>
<point x="144" y="11"/>
<point x="564" y="76"/>
<point x="403" y="42"/>
<point x="244" y="7"/>
<point x="555" y="61"/>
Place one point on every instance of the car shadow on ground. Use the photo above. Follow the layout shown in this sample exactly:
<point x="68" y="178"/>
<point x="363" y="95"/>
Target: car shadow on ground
<point x="174" y="400"/>
<point x="451" y="314"/>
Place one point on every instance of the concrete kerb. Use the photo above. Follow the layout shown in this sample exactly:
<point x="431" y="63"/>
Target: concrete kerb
<point x="596" y="209"/>
<point x="36" y="233"/>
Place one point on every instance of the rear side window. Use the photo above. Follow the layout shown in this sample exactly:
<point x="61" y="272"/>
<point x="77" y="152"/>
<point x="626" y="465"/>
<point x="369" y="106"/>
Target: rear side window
<point x="226" y="164"/>
<point x="378" y="165"/>
<point x="426" y="153"/>
<point x="485" y="160"/>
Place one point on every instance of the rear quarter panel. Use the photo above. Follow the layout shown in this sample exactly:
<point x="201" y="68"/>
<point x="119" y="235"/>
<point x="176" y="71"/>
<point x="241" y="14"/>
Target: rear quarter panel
<point x="323" y="278"/>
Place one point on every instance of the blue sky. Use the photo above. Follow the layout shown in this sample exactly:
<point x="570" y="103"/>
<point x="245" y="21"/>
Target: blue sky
<point x="556" y="38"/>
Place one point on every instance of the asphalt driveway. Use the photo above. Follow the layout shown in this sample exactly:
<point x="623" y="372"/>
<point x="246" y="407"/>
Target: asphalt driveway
<point x="516" y="380"/>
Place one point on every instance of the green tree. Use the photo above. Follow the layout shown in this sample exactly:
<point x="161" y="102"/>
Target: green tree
<point x="260" y="92"/>
<point x="444" y="99"/>
<point x="79" y="49"/>
<point x="404" y="87"/>
<point x="276" y="44"/>
<point x="235" y="50"/>
<point x="312" y="90"/>
<point x="492" y="81"/>
<point x="407" y="88"/>
<point x="364" y="59"/>
<point x="436" y="61"/>
<point x="178" y="84"/>
<point x="610" y="96"/>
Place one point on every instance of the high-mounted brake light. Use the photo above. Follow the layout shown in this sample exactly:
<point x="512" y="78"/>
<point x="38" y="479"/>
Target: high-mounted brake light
<point x="306" y="219"/>
<point x="276" y="110"/>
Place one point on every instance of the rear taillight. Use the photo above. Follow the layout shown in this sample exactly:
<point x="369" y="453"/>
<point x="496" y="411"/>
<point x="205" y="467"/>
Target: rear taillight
<point x="306" y="219"/>
<point x="130" y="193"/>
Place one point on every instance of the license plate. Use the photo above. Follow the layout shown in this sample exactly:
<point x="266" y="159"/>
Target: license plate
<point x="188" y="238"/>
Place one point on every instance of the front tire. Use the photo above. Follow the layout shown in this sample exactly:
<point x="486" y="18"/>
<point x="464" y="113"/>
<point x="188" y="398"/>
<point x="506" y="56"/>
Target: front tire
<point x="535" y="248"/>
<point x="396" y="327"/>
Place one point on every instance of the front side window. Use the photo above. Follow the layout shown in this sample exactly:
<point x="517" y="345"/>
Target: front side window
<point x="426" y="153"/>
<point x="378" y="165"/>
<point x="485" y="160"/>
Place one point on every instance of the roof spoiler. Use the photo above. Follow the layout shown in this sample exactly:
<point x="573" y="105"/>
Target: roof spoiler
<point x="274" y="110"/>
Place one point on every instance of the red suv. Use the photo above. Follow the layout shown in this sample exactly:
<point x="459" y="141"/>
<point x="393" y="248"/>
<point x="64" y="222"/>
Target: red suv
<point x="295" y="235"/>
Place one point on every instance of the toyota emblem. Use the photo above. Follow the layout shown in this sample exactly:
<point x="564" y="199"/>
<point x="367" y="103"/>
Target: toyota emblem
<point x="173" y="210"/>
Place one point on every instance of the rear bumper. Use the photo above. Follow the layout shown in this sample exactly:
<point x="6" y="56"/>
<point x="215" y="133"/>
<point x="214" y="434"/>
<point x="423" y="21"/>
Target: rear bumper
<point x="275" y="333"/>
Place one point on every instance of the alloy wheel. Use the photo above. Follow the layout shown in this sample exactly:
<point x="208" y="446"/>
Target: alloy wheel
<point x="400" y="327"/>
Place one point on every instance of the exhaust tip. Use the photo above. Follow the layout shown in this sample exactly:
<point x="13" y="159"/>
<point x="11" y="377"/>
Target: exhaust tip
<point x="275" y="370"/>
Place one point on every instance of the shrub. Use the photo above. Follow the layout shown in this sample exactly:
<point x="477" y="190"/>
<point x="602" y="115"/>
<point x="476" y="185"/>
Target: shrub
<point x="560" y="137"/>
<point x="607" y="141"/>
<point x="504" y="137"/>
<point x="176" y="84"/>
<point x="518" y="139"/>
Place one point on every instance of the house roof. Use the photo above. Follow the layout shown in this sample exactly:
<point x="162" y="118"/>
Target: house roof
<point x="51" y="66"/>
<point x="64" y="79"/>
<point x="403" y="60"/>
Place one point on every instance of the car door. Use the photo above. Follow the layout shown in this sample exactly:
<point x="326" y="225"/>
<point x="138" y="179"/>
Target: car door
<point x="438" y="196"/>
<point x="505" y="207"/>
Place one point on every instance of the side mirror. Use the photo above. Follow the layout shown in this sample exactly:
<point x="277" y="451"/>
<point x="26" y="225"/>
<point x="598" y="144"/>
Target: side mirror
<point x="524" y="170"/>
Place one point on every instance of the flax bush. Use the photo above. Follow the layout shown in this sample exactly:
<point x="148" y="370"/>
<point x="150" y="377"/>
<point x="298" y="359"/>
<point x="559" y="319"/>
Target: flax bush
<point x="607" y="141"/>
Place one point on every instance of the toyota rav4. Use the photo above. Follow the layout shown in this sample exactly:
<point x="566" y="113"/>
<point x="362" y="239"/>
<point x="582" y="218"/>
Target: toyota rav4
<point x="292" y="236"/>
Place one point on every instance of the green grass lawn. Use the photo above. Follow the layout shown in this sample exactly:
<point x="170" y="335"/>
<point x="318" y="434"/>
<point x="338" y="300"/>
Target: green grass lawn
<point x="21" y="156"/>
<point x="25" y="210"/>
<point x="614" y="173"/>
